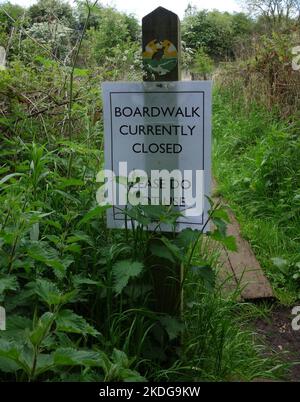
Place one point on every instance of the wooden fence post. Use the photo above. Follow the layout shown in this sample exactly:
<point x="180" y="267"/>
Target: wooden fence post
<point x="161" y="60"/>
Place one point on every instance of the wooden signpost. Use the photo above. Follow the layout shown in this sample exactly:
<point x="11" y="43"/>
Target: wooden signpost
<point x="157" y="126"/>
<point x="161" y="46"/>
<point x="161" y="37"/>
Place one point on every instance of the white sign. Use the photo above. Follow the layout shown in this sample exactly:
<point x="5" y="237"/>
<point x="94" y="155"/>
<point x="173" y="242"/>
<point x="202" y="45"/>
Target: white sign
<point x="159" y="132"/>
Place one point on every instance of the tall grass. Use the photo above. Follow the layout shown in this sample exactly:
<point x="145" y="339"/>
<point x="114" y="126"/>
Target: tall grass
<point x="257" y="165"/>
<point x="79" y="298"/>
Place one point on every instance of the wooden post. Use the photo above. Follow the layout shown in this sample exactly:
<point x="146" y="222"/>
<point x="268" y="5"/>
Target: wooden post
<point x="161" y="59"/>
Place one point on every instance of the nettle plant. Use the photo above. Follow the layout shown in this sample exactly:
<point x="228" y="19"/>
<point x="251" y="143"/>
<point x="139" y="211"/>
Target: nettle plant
<point x="79" y="298"/>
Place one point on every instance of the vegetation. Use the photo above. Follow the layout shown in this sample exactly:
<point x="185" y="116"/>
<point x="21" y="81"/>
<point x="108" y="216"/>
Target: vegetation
<point x="80" y="298"/>
<point x="257" y="160"/>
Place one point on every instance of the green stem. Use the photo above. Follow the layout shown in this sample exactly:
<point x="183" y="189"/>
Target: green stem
<point x="12" y="254"/>
<point x="187" y="266"/>
<point x="70" y="104"/>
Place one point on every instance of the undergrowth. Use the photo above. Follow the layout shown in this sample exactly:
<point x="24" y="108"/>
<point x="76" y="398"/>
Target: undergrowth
<point x="80" y="299"/>
<point x="257" y="166"/>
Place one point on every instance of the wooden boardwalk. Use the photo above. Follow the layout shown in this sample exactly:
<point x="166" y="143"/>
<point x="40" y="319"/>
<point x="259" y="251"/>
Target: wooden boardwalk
<point x="241" y="270"/>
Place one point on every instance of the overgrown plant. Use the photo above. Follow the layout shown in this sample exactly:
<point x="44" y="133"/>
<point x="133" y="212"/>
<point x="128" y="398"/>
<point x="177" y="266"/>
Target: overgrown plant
<point x="79" y="298"/>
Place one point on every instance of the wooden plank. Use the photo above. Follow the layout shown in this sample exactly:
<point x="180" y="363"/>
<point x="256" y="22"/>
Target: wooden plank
<point x="226" y="280"/>
<point x="246" y="268"/>
<point x="248" y="274"/>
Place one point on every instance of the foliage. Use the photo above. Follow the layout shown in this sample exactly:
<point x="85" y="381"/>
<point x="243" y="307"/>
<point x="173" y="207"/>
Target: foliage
<point x="52" y="11"/>
<point x="202" y="65"/>
<point x="73" y="272"/>
<point x="102" y="15"/>
<point x="216" y="349"/>
<point x="266" y="73"/>
<point x="276" y="13"/>
<point x="215" y="32"/>
<point x="257" y="157"/>
<point x="112" y="32"/>
<point x="14" y="10"/>
<point x="55" y="35"/>
<point x="80" y="299"/>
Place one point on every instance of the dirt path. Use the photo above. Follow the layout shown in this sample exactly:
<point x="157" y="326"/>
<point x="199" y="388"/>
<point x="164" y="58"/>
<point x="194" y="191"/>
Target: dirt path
<point x="279" y="335"/>
<point x="245" y="273"/>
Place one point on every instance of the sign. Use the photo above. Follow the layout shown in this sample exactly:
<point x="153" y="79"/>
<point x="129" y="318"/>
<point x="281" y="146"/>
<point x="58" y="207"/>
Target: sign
<point x="160" y="57"/>
<point x="158" y="138"/>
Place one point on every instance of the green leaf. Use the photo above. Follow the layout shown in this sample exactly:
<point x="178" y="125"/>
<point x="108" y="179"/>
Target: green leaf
<point x="73" y="357"/>
<point x="137" y="215"/>
<point x="128" y="375"/>
<point x="67" y="196"/>
<point x="48" y="292"/>
<point x="228" y="241"/>
<point x="68" y="321"/>
<point x="7" y="365"/>
<point x="45" y="362"/>
<point x="10" y="176"/>
<point x="176" y="252"/>
<point x="43" y="252"/>
<point x="69" y="296"/>
<point x="94" y="213"/>
<point x="161" y="251"/>
<point x="172" y="326"/>
<point x="281" y="264"/>
<point x="120" y="358"/>
<point x="8" y="282"/>
<point x="154" y="212"/>
<point x="81" y="280"/>
<point x="64" y="182"/>
<point x="222" y="214"/>
<point x="42" y="328"/>
<point x="164" y="248"/>
<point x="12" y="356"/>
<point x="54" y="224"/>
<point x="80" y="236"/>
<point x="221" y="226"/>
<point x="44" y="61"/>
<point x="17" y="322"/>
<point x="81" y="72"/>
<point x="187" y="238"/>
<point x="207" y="274"/>
<point x="73" y="248"/>
<point x="10" y="349"/>
<point x="35" y="232"/>
<point x="123" y="271"/>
